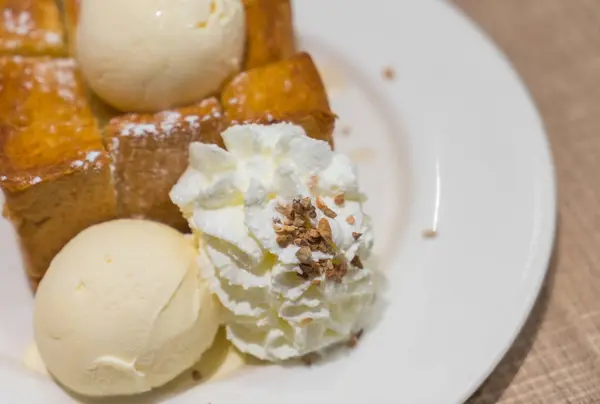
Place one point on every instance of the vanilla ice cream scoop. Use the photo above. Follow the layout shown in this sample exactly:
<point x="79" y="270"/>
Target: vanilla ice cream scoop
<point x="122" y="309"/>
<point x="284" y="239"/>
<point x="149" y="55"/>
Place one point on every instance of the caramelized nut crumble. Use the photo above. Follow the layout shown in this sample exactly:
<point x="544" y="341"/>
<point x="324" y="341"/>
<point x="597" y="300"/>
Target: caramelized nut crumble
<point x="350" y="220"/>
<point x="297" y="229"/>
<point x="339" y="199"/>
<point x="335" y="271"/>
<point x="310" y="358"/>
<point x="329" y="213"/>
<point x="353" y="341"/>
<point x="357" y="262"/>
<point x="305" y="321"/>
<point x="324" y="229"/>
<point x="356" y="235"/>
<point x="304" y="254"/>
<point x="320" y="203"/>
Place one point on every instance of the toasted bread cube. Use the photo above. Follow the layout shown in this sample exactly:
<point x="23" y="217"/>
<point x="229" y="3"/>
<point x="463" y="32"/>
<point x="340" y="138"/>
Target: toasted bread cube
<point x="41" y="90"/>
<point x="269" y="32"/>
<point x="150" y="152"/>
<point x="31" y="27"/>
<point x="54" y="170"/>
<point x="287" y="91"/>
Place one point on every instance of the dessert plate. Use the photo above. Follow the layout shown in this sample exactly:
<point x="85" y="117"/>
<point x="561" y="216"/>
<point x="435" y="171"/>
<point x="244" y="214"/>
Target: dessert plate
<point x="454" y="159"/>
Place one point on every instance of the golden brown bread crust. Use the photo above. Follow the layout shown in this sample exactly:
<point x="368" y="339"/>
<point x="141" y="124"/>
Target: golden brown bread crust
<point x="269" y="32"/>
<point x="54" y="170"/>
<point x="46" y="126"/>
<point x="50" y="213"/>
<point x="150" y="152"/>
<point x="287" y="91"/>
<point x="31" y="27"/>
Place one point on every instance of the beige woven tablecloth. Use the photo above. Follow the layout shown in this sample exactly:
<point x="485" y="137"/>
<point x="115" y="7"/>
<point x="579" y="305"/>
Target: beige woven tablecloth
<point x="555" y="46"/>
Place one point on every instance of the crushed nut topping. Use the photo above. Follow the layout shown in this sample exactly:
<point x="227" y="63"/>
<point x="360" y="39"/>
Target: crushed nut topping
<point x="304" y="254"/>
<point x="350" y="220"/>
<point x="310" y="358"/>
<point x="339" y="199"/>
<point x="324" y="229"/>
<point x="324" y="208"/>
<point x="320" y="203"/>
<point x="305" y="321"/>
<point x="299" y="230"/>
<point x="335" y="270"/>
<point x="357" y="262"/>
<point x="356" y="235"/>
<point x="353" y="341"/>
<point x="329" y="213"/>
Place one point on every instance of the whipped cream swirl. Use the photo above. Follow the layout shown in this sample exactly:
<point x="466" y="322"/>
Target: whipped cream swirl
<point x="233" y="201"/>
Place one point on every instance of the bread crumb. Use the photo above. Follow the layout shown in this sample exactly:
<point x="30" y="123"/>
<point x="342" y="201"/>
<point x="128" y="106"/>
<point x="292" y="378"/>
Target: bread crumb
<point x="310" y="358"/>
<point x="388" y="73"/>
<point x="429" y="233"/>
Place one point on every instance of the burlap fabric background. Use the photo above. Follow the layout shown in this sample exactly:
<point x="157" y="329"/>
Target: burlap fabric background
<point x="555" y="47"/>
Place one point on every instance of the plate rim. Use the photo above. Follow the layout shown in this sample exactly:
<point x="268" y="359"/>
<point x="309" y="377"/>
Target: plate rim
<point x="549" y="236"/>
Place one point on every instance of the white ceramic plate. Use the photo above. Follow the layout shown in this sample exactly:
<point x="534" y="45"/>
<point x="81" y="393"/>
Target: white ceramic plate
<point x="452" y="143"/>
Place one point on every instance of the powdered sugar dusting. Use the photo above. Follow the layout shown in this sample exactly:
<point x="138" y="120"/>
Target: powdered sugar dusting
<point x="165" y="123"/>
<point x="89" y="158"/>
<point x="192" y="119"/>
<point x="170" y="119"/>
<point x="52" y="38"/>
<point x="19" y="23"/>
<point x="113" y="148"/>
<point x="56" y="76"/>
<point x="138" y="129"/>
<point x="11" y="44"/>
<point x="92" y="156"/>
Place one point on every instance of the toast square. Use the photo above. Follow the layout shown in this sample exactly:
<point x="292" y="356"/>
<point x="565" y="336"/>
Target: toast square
<point x="31" y="27"/>
<point x="286" y="91"/>
<point x="150" y="152"/>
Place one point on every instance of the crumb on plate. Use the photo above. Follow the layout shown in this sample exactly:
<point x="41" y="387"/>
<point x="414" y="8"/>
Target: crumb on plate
<point x="388" y="73"/>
